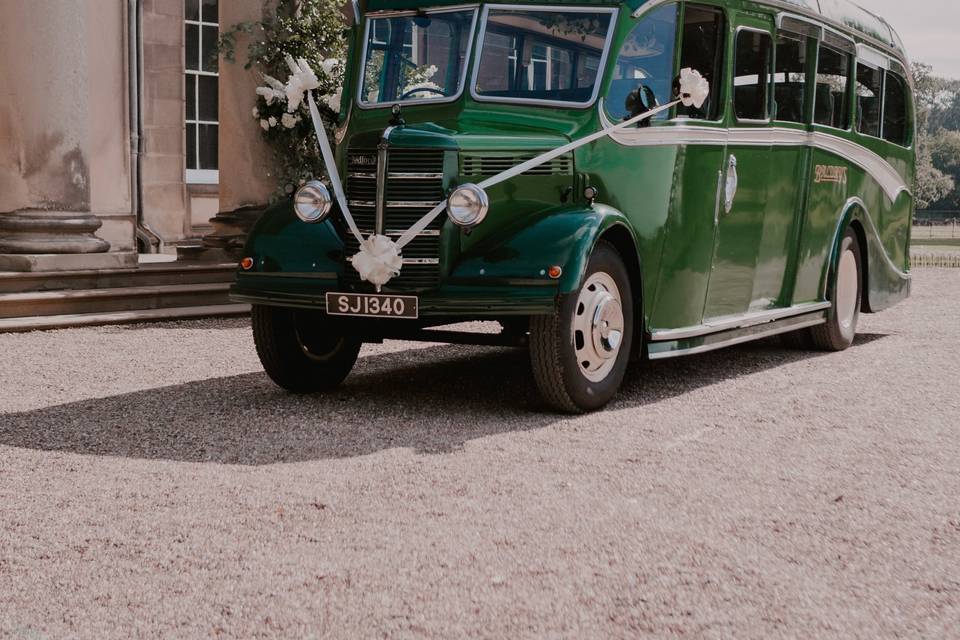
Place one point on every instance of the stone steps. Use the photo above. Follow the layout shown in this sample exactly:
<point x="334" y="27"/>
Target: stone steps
<point x="164" y="273"/>
<point x="38" y="323"/>
<point x="163" y="291"/>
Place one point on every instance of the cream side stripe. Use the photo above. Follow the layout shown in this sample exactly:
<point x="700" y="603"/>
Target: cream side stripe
<point x="879" y="169"/>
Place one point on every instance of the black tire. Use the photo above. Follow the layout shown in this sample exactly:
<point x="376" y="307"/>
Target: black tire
<point x="556" y="348"/>
<point x="846" y="295"/>
<point x="302" y="351"/>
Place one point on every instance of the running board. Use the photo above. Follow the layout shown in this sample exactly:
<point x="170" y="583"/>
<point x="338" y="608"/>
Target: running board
<point x="693" y="345"/>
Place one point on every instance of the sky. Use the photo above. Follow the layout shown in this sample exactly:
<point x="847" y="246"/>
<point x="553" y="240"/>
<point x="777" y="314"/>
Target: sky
<point x="929" y="29"/>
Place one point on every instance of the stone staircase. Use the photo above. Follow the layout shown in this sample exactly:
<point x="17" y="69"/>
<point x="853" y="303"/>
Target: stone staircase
<point x="150" y="292"/>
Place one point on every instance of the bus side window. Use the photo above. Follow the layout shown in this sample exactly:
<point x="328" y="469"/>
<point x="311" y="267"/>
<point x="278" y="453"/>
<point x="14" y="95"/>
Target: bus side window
<point x="831" y="105"/>
<point x="790" y="78"/>
<point x="751" y="80"/>
<point x="703" y="47"/>
<point x="895" y="127"/>
<point x="645" y="65"/>
<point x="869" y="99"/>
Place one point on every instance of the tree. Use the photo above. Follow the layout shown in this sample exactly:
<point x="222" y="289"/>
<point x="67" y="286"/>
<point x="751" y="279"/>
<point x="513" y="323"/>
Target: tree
<point x="944" y="150"/>
<point x="933" y="184"/>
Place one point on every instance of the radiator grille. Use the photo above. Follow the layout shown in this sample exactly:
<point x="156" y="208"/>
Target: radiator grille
<point x="492" y="163"/>
<point x="414" y="187"/>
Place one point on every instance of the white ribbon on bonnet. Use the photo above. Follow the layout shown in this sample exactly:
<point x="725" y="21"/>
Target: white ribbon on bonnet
<point x="379" y="259"/>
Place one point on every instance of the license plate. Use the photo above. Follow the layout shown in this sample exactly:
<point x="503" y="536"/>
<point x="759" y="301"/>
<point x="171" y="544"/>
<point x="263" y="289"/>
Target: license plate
<point x="368" y="305"/>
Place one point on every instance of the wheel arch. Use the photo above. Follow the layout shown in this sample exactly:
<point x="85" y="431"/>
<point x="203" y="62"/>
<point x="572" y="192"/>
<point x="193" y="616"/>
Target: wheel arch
<point x="853" y="219"/>
<point x="857" y="226"/>
<point x="622" y="239"/>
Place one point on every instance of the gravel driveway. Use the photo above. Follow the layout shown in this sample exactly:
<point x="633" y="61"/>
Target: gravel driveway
<point x="153" y="483"/>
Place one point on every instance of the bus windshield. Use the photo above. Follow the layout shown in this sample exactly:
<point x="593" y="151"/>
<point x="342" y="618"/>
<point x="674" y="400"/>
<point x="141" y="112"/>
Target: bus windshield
<point x="551" y="55"/>
<point x="419" y="57"/>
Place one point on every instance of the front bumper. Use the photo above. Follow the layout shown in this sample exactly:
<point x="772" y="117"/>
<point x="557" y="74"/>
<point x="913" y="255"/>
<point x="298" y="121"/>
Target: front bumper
<point x="472" y="299"/>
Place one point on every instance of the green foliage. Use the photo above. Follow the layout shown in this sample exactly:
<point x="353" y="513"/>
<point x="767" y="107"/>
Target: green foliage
<point x="308" y="29"/>
<point x="938" y="140"/>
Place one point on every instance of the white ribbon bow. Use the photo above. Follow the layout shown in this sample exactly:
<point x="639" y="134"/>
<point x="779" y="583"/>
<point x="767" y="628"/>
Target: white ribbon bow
<point x="378" y="261"/>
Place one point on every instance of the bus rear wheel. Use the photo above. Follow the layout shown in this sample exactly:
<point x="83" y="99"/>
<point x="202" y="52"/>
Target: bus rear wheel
<point x="580" y="352"/>
<point x="840" y="330"/>
<point x="302" y="351"/>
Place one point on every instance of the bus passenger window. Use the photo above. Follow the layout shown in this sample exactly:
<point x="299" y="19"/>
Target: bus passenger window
<point x="752" y="75"/>
<point x="790" y="78"/>
<point x="831" y="105"/>
<point x="869" y="97"/>
<point x="703" y="44"/>
<point x="644" y="68"/>
<point x="895" y="110"/>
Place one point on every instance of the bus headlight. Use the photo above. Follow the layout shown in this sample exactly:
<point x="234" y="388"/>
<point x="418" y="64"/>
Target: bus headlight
<point x="312" y="201"/>
<point x="467" y="206"/>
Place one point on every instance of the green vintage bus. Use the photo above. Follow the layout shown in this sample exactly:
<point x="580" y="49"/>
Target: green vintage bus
<point x="781" y="205"/>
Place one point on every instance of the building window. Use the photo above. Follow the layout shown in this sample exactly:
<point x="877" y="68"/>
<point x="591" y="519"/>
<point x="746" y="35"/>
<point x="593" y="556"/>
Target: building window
<point x="201" y="31"/>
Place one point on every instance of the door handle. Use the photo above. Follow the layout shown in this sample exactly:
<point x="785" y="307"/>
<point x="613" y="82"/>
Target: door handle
<point x="731" y="184"/>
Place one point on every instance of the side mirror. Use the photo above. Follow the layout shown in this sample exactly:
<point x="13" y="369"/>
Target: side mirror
<point x="641" y="100"/>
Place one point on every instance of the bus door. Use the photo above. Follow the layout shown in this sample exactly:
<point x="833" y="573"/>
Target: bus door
<point x="747" y="172"/>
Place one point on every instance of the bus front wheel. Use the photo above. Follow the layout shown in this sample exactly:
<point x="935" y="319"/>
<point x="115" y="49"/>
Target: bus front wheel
<point x="580" y="352"/>
<point x="302" y="351"/>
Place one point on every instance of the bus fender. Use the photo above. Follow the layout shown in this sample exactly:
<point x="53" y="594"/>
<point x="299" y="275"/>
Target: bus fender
<point x="564" y="238"/>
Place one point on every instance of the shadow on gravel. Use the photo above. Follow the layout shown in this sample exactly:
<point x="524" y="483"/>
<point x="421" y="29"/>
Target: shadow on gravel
<point x="432" y="400"/>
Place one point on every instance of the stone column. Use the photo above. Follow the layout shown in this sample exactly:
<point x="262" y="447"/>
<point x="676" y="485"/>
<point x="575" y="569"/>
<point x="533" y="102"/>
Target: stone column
<point x="53" y="138"/>
<point x="245" y="180"/>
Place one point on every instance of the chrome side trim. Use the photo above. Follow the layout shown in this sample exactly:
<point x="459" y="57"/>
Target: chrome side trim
<point x="879" y="169"/>
<point x="601" y="68"/>
<point x="738" y="322"/>
<point x="773" y="331"/>
<point x="421" y="261"/>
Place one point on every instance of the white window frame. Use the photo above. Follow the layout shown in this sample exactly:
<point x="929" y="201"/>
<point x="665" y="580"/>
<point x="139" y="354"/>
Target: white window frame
<point x="200" y="176"/>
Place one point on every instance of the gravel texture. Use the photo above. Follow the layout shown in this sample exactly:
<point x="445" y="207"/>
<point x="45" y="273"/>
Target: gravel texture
<point x="153" y="483"/>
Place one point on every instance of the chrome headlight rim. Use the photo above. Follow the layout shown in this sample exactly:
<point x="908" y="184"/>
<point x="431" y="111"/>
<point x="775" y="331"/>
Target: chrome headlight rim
<point x="468" y="205"/>
<point x="312" y="202"/>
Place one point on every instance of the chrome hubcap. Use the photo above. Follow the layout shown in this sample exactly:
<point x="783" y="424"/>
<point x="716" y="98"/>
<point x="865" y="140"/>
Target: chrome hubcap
<point x="847" y="290"/>
<point x="598" y="326"/>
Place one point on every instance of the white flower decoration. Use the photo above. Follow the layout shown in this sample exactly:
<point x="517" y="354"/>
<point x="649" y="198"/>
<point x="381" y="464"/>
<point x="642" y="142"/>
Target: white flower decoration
<point x="329" y="65"/>
<point x="289" y="120"/>
<point x="333" y="101"/>
<point x="265" y="125"/>
<point x="694" y="88"/>
<point x="302" y="80"/>
<point x="272" y="121"/>
<point x="378" y="260"/>
<point x="274" y="90"/>
<point x="255" y="112"/>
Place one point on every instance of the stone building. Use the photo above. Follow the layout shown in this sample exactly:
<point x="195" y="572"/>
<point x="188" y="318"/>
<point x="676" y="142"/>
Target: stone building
<point x="120" y="135"/>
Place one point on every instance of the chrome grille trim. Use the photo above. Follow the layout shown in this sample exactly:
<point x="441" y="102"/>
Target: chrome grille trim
<point x="412" y="185"/>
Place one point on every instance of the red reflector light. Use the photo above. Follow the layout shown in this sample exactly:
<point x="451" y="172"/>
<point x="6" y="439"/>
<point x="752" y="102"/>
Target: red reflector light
<point x="246" y="264"/>
<point x="555" y="272"/>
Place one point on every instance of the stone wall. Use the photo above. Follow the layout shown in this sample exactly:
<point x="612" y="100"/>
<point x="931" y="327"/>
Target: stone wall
<point x="165" y="202"/>
<point x="64" y="155"/>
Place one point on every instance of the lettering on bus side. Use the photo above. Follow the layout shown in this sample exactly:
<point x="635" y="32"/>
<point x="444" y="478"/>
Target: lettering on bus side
<point x="827" y="173"/>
